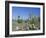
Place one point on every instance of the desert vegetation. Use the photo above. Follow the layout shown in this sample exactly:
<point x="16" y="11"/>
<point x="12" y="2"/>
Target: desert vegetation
<point x="32" y="23"/>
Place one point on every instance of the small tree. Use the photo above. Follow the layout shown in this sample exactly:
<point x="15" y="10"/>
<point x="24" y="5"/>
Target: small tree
<point x="19" y="20"/>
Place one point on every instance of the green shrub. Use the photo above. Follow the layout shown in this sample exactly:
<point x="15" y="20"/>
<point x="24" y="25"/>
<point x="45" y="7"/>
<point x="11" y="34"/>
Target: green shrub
<point x="19" y="20"/>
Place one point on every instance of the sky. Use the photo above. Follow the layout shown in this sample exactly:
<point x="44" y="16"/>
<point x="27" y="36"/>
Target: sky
<point x="24" y="12"/>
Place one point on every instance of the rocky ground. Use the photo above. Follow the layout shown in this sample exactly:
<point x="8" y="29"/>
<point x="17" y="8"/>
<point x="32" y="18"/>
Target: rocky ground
<point x="23" y="26"/>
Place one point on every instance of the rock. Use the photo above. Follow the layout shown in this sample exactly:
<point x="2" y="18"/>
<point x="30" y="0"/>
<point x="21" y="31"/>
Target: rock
<point x="26" y="27"/>
<point x="17" y="28"/>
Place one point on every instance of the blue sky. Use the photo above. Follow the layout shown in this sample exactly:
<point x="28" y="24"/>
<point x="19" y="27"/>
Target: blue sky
<point x="24" y="12"/>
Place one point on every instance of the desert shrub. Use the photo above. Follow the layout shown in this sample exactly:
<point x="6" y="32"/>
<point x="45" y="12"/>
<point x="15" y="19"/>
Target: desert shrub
<point x="19" y="20"/>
